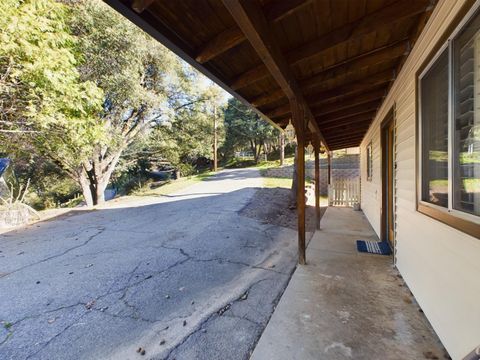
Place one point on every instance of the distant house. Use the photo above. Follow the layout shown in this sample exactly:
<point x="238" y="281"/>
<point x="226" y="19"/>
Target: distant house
<point x="4" y="163"/>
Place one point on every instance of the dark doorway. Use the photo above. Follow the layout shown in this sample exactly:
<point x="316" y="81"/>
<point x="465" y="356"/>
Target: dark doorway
<point x="388" y="167"/>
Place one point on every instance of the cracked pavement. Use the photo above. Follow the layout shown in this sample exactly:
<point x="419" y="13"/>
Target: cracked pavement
<point x="182" y="276"/>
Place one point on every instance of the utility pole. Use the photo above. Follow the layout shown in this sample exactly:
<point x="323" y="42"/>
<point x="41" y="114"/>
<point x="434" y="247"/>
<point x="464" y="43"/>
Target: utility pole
<point x="282" y="148"/>
<point x="214" y="137"/>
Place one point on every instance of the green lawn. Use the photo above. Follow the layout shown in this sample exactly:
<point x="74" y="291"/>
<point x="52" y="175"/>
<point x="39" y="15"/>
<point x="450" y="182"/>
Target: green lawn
<point x="173" y="185"/>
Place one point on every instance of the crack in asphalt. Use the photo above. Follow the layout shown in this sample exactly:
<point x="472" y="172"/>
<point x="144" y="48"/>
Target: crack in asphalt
<point x="211" y="316"/>
<point x="90" y="238"/>
<point x="49" y="341"/>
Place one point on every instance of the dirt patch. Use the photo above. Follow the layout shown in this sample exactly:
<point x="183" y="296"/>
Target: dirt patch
<point x="272" y="206"/>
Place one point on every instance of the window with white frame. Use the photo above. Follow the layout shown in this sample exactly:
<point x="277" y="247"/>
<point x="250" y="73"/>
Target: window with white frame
<point x="449" y="92"/>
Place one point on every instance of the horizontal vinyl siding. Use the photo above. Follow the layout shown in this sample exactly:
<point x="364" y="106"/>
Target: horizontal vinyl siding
<point x="441" y="265"/>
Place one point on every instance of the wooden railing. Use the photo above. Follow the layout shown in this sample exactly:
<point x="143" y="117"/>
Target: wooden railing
<point x="344" y="192"/>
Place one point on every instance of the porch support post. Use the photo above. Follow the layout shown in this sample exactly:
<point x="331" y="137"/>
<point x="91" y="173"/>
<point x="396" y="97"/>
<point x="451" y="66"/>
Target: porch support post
<point x="299" y="123"/>
<point x="316" y="146"/>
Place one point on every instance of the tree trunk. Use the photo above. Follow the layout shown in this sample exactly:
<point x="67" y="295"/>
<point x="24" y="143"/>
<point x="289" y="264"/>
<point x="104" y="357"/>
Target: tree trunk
<point x="282" y="148"/>
<point x="85" y="185"/>
<point x="94" y="178"/>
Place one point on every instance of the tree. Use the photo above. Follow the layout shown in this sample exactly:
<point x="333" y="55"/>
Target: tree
<point x="189" y="134"/>
<point x="245" y="129"/>
<point x="43" y="101"/>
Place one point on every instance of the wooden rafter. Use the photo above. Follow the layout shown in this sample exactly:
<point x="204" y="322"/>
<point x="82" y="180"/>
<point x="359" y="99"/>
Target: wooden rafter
<point x="383" y="17"/>
<point x="380" y="19"/>
<point x="141" y="5"/>
<point x="252" y="21"/>
<point x="348" y="112"/>
<point x="232" y="37"/>
<point x="346" y="102"/>
<point x="352" y="65"/>
<point x="355" y="119"/>
<point x="353" y="87"/>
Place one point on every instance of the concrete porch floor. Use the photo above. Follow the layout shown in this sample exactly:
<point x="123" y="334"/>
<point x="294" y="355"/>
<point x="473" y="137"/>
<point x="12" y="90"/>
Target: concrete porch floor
<point x="347" y="305"/>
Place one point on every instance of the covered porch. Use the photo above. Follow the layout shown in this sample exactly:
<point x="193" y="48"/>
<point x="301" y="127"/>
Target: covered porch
<point x="347" y="305"/>
<point x="323" y="66"/>
<point x="327" y="67"/>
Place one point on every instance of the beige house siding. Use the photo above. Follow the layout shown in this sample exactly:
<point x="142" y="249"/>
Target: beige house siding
<point x="440" y="264"/>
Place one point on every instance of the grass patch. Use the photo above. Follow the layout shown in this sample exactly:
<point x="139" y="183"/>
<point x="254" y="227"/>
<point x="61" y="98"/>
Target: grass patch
<point x="272" y="182"/>
<point x="173" y="185"/>
<point x="7" y="325"/>
<point x="244" y="163"/>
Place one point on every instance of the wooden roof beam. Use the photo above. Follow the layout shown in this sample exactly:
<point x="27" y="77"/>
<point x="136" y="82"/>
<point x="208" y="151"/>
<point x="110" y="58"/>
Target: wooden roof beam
<point x="381" y="18"/>
<point x="354" y="87"/>
<point x="348" y="132"/>
<point x="350" y="142"/>
<point x="351" y="65"/>
<point x="250" y="18"/>
<point x="352" y="120"/>
<point x="141" y="5"/>
<point x="347" y="102"/>
<point x="348" y="112"/>
<point x="232" y="37"/>
<point x="384" y="17"/>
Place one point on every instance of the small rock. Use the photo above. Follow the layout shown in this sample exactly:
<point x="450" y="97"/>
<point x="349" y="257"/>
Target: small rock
<point x="223" y="310"/>
<point x="89" y="265"/>
<point x="148" y="277"/>
<point x="204" y="331"/>
<point x="90" y="304"/>
<point x="167" y="296"/>
<point x="430" y="355"/>
<point x="70" y="273"/>
<point x="182" y="288"/>
<point x="142" y="352"/>
<point x="139" y="349"/>
<point x="244" y="296"/>
<point x="51" y="321"/>
<point x="184" y="322"/>
<point x="38" y="282"/>
<point x="193" y="302"/>
<point x="162" y="342"/>
<point x="272" y="266"/>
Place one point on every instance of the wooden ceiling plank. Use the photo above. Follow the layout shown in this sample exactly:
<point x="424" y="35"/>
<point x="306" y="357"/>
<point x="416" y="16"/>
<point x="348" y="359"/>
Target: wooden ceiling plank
<point x="373" y="57"/>
<point x="340" y="36"/>
<point x="279" y="111"/>
<point x="234" y="36"/>
<point x="220" y="43"/>
<point x="383" y="17"/>
<point x="281" y="9"/>
<point x="251" y="20"/>
<point x="347" y="102"/>
<point x="355" y="119"/>
<point x="141" y="5"/>
<point x="343" y="133"/>
<point x="251" y="76"/>
<point x="353" y="87"/>
<point x="348" y="112"/>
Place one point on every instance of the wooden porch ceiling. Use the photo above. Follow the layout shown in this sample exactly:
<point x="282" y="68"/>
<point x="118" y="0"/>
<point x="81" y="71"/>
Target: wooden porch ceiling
<point x="336" y="58"/>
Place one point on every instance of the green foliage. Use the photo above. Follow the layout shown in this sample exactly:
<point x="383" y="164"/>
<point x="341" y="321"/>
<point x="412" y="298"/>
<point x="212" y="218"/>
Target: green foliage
<point x="83" y="90"/>
<point x="245" y="129"/>
<point x="40" y="86"/>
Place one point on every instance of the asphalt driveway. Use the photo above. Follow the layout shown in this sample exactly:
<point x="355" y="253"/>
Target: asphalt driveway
<point x="183" y="276"/>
